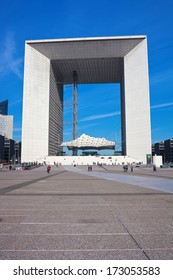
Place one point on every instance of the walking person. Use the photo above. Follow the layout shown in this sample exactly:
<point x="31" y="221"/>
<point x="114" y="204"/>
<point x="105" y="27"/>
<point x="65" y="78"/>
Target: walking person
<point x="48" y="169"/>
<point x="154" y="168"/>
<point x="131" y="168"/>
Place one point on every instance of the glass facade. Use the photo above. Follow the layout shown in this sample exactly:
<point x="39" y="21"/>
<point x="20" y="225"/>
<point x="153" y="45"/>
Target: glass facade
<point x="4" y="107"/>
<point x="55" y="115"/>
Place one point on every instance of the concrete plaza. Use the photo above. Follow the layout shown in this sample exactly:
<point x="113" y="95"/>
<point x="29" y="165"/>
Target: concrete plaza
<point x="75" y="214"/>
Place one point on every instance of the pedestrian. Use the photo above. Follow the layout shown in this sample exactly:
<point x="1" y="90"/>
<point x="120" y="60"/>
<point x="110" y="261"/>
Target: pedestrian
<point x="89" y="168"/>
<point x="125" y="167"/>
<point x="131" y="168"/>
<point x="1" y="166"/>
<point x="48" y="169"/>
<point x="154" y="168"/>
<point x="10" y="167"/>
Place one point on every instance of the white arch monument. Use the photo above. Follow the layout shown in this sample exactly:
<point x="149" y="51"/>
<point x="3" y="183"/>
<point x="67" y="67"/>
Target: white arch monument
<point x="50" y="64"/>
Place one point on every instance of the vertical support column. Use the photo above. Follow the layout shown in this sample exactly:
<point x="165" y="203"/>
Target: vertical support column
<point x="135" y="104"/>
<point x="55" y="114"/>
<point x="35" y="121"/>
<point x="75" y="110"/>
<point x="123" y="115"/>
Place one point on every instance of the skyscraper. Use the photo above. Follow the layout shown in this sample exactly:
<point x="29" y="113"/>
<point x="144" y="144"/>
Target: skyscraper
<point x="6" y="126"/>
<point x="4" y="107"/>
<point x="6" y="121"/>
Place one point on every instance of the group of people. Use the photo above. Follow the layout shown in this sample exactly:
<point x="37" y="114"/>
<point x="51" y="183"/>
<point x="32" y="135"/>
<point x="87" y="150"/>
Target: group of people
<point x="7" y="167"/>
<point x="126" y="167"/>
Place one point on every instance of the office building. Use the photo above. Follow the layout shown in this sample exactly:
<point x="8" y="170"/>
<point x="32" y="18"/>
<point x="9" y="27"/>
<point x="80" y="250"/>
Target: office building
<point x="169" y="150"/>
<point x="2" y="139"/>
<point x="4" y="107"/>
<point x="6" y="126"/>
<point x="17" y="151"/>
<point x="164" y="149"/>
<point x="9" y="150"/>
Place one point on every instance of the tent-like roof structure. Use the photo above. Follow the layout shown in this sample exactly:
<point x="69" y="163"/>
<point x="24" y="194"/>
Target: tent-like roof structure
<point x="85" y="142"/>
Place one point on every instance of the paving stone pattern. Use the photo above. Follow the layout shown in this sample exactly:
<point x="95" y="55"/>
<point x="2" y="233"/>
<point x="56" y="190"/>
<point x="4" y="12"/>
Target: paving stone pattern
<point x="70" y="214"/>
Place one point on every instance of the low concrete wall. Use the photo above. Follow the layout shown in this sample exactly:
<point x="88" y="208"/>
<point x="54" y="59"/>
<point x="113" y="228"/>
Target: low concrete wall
<point x="88" y="160"/>
<point x="157" y="160"/>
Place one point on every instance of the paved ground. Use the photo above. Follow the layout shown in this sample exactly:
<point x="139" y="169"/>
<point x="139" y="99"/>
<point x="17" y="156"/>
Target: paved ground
<point x="71" y="214"/>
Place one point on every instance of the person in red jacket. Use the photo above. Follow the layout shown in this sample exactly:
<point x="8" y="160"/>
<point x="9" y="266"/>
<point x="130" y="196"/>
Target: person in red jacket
<point x="48" y="169"/>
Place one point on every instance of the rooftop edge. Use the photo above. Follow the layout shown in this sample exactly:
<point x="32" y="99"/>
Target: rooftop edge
<point x="85" y="39"/>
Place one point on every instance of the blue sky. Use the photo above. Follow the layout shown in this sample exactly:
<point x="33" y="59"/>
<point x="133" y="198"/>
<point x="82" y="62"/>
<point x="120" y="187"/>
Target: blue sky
<point x="100" y="117"/>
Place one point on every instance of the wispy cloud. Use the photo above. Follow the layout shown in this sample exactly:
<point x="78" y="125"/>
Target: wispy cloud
<point x="16" y="129"/>
<point x="162" y="105"/>
<point x="17" y="137"/>
<point x="18" y="101"/>
<point x="86" y="126"/>
<point x="8" y="57"/>
<point x="102" y="116"/>
<point x="67" y="133"/>
<point x="161" y="77"/>
<point x="96" y="117"/>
